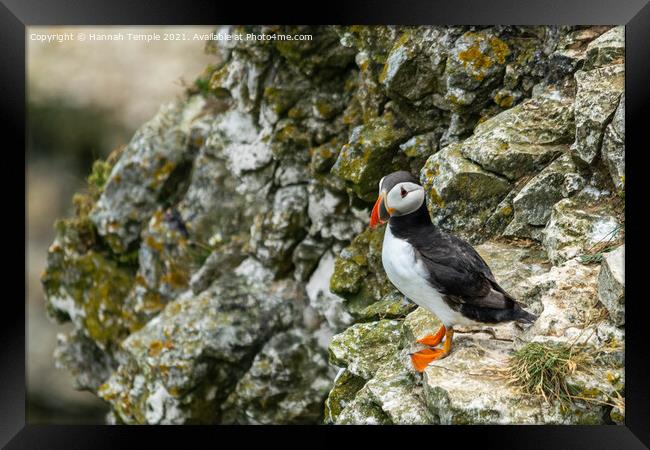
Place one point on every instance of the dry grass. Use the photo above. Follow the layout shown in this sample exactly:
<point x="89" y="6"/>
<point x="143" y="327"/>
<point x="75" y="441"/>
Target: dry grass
<point x="542" y="369"/>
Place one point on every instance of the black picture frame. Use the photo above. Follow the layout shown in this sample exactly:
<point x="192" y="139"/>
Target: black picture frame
<point x="16" y="15"/>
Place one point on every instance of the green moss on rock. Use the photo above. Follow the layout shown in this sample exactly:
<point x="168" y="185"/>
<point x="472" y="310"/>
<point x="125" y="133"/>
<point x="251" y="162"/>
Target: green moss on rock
<point x="358" y="272"/>
<point x="370" y="154"/>
<point x="363" y="347"/>
<point x="346" y="386"/>
<point x="461" y="195"/>
<point x="89" y="289"/>
<point x="363" y="410"/>
<point x="391" y="306"/>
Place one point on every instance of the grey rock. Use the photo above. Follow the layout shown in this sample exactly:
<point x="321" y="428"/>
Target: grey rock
<point x="608" y="48"/>
<point x="331" y="216"/>
<point x="393" y="305"/>
<point x="345" y="387"/>
<point x="248" y="156"/>
<point x="328" y="304"/>
<point x="241" y="77"/>
<point x="480" y="398"/>
<point x="574" y="227"/>
<point x="364" y="347"/>
<point x="614" y="146"/>
<point x="276" y="232"/>
<point x="306" y="257"/>
<point x="523" y="139"/>
<point x="412" y="67"/>
<point x="362" y="410"/>
<point x="286" y="383"/>
<point x="198" y="346"/>
<point x="533" y="203"/>
<point x="89" y="365"/>
<point x="513" y="264"/>
<point x="358" y="272"/>
<point x="395" y="390"/>
<point x="418" y="149"/>
<point x="460" y="194"/>
<point x="214" y="187"/>
<point x="568" y="296"/>
<point x="571" y="50"/>
<point x="131" y="193"/>
<point x="597" y="97"/>
<point x="611" y="284"/>
<point x="217" y="263"/>
<point x="477" y="60"/>
<point x="369" y="154"/>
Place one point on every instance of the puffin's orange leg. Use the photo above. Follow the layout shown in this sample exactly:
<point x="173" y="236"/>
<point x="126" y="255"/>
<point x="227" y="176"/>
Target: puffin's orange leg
<point x="433" y="339"/>
<point x="424" y="357"/>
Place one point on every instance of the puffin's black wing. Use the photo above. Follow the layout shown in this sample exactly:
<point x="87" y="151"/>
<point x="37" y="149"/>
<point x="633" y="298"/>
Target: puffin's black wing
<point x="466" y="282"/>
<point x="453" y="266"/>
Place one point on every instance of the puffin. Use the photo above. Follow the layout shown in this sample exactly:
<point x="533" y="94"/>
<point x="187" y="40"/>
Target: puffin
<point x="436" y="270"/>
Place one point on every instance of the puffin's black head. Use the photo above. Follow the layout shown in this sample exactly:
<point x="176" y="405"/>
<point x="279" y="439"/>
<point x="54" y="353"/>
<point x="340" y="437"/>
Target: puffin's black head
<point x="399" y="194"/>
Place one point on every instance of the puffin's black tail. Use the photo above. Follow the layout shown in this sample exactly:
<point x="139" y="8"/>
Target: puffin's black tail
<point x="523" y="316"/>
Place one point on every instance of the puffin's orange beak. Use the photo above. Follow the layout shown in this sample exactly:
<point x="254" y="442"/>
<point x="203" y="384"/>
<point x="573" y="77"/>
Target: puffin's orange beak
<point x="375" y="217"/>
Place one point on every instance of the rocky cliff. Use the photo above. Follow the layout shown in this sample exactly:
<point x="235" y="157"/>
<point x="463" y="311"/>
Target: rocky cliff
<point x="219" y="269"/>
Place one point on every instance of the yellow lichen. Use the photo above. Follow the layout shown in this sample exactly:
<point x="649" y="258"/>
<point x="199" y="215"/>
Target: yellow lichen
<point x="479" y="61"/>
<point x="500" y="49"/>
<point x="155" y="348"/>
<point x="326" y="153"/>
<point x="163" y="172"/>
<point x="175" y="279"/>
<point x="152" y="243"/>
<point x="436" y="198"/>
<point x="504" y="99"/>
<point x="152" y="302"/>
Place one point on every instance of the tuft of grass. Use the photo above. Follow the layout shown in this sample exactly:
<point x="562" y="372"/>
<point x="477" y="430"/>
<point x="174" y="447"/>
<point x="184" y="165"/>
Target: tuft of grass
<point x="98" y="177"/>
<point x="596" y="258"/>
<point x="101" y="172"/>
<point x="543" y="368"/>
<point x="594" y="254"/>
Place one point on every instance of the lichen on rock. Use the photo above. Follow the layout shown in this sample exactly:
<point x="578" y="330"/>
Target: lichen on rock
<point x="460" y="194"/>
<point x="358" y="274"/>
<point x="131" y="193"/>
<point x="197" y="346"/>
<point x="286" y="383"/>
<point x="370" y="153"/>
<point x="219" y="268"/>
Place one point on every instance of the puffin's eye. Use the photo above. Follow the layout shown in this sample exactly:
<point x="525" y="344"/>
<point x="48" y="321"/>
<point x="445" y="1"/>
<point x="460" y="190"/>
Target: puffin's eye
<point x="403" y="192"/>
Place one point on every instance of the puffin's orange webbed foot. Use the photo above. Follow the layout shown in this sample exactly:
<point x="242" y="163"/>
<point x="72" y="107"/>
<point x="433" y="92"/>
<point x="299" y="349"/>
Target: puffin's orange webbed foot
<point x="422" y="358"/>
<point x="432" y="340"/>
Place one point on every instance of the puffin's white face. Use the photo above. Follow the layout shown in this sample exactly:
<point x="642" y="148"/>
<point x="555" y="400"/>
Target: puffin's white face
<point x="404" y="198"/>
<point x="399" y="195"/>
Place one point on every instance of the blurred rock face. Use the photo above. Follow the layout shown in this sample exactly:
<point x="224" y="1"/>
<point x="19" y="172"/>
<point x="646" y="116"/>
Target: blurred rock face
<point x="206" y="274"/>
<point x="80" y="105"/>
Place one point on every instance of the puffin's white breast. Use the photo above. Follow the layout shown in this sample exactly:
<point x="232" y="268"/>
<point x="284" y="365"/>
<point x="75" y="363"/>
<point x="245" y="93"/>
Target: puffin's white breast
<point x="408" y="275"/>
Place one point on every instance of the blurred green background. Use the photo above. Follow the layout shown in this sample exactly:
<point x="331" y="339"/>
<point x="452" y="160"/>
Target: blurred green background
<point x="83" y="100"/>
